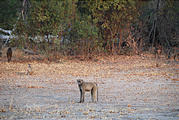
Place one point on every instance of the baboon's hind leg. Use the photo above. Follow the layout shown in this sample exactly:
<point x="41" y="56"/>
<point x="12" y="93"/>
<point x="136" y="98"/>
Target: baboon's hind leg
<point x="83" y="97"/>
<point x="94" y="95"/>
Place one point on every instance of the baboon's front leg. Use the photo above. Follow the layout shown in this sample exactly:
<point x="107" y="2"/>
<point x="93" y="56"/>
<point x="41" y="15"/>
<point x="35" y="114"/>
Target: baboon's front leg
<point x="80" y="96"/>
<point x="92" y="95"/>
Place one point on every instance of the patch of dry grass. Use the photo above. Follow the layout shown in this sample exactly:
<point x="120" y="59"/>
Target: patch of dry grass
<point x="103" y="67"/>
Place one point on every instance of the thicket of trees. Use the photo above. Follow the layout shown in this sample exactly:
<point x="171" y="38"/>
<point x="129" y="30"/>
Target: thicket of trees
<point x="86" y="27"/>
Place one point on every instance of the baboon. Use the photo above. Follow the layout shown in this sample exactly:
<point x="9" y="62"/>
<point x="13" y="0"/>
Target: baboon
<point x="29" y="70"/>
<point x="158" y="52"/>
<point x="88" y="86"/>
<point x="174" y="52"/>
<point x="9" y="54"/>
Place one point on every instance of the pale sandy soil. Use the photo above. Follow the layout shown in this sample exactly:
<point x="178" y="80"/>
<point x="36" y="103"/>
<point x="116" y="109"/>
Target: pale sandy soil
<point x="130" y="88"/>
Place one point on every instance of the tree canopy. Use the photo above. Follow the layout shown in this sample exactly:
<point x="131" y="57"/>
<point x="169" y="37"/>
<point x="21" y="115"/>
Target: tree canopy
<point x="75" y="27"/>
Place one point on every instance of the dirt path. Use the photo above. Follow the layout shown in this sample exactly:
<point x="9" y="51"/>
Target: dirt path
<point x="129" y="88"/>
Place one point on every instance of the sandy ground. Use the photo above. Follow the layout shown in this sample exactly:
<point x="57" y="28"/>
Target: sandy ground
<point x="130" y="88"/>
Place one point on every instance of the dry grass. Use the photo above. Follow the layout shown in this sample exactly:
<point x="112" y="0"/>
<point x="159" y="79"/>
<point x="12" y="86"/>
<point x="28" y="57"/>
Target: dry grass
<point x="104" y="66"/>
<point x="51" y="89"/>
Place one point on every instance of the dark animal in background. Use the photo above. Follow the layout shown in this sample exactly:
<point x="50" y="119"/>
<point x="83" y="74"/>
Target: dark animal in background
<point x="9" y="54"/>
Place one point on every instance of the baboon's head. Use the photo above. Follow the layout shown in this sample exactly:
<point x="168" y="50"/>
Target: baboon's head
<point x="79" y="81"/>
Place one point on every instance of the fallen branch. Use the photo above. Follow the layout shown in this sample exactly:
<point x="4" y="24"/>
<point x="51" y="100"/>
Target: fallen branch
<point x="29" y="52"/>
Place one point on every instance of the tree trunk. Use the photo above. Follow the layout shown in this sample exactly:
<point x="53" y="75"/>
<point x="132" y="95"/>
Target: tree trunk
<point x="120" y="39"/>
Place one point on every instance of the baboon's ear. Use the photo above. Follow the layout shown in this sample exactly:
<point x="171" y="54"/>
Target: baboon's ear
<point x="81" y="81"/>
